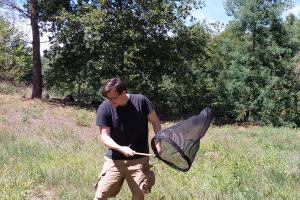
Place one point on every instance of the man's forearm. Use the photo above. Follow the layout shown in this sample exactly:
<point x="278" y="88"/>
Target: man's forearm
<point x="109" y="142"/>
<point x="156" y="126"/>
<point x="152" y="117"/>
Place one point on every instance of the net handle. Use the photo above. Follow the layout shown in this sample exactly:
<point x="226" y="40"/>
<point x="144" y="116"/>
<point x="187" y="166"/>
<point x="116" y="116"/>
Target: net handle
<point x="144" y="154"/>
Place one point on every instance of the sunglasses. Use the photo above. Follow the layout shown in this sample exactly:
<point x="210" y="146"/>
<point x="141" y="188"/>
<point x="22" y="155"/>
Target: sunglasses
<point x="113" y="98"/>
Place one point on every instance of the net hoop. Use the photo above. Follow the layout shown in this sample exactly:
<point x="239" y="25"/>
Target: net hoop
<point x="187" y="159"/>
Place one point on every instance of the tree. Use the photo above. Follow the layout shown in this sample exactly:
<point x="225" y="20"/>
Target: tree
<point x="32" y="9"/>
<point x="187" y="89"/>
<point x="131" y="39"/>
<point x="15" y="56"/>
<point x="258" y="79"/>
<point x="37" y="82"/>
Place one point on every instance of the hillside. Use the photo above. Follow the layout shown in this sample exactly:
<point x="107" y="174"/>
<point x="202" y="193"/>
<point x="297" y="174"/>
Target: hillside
<point x="52" y="151"/>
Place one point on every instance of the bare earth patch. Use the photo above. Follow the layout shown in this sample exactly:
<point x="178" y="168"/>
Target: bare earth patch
<point x="16" y="112"/>
<point x="42" y="193"/>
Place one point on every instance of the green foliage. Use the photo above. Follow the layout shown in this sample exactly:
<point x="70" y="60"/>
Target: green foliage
<point x="15" y="57"/>
<point x="257" y="81"/>
<point x="247" y="73"/>
<point x="134" y="40"/>
<point x="187" y="88"/>
<point x="6" y="88"/>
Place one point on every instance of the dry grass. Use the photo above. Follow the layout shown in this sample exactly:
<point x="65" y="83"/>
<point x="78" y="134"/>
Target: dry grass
<point x="19" y="113"/>
<point x="52" y="151"/>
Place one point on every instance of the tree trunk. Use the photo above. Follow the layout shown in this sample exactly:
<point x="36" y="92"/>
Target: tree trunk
<point x="37" y="65"/>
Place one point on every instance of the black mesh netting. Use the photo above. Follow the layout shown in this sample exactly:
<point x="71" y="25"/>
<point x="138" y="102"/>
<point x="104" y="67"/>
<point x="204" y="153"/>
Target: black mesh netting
<point x="180" y="142"/>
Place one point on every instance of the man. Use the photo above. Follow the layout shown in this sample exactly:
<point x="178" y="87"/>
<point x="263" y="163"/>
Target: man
<point x="123" y="122"/>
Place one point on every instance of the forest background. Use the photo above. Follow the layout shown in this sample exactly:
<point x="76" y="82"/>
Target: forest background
<point x="247" y="71"/>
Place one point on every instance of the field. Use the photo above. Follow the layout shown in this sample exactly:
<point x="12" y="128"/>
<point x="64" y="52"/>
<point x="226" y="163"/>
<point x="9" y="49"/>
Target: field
<point x="52" y="151"/>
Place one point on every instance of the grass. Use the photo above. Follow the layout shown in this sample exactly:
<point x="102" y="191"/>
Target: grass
<point x="11" y="89"/>
<point x="34" y="168"/>
<point x="32" y="112"/>
<point x="82" y="118"/>
<point x="53" y="152"/>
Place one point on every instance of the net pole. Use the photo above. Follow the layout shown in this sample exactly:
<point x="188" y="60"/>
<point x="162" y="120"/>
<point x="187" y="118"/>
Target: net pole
<point x="143" y="154"/>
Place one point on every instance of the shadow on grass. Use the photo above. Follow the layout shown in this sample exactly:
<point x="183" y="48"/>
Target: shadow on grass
<point x="80" y="104"/>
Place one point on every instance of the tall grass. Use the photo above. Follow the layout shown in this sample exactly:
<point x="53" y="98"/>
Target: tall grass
<point x="262" y="163"/>
<point x="83" y="118"/>
<point x="10" y="89"/>
<point x="39" y="160"/>
<point x="32" y="112"/>
<point x="61" y="168"/>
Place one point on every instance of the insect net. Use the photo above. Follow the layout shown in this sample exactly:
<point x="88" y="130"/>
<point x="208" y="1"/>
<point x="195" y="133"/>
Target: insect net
<point x="180" y="142"/>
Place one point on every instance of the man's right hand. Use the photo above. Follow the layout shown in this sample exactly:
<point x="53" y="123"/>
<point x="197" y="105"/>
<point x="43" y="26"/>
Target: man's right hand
<point x="158" y="146"/>
<point x="108" y="141"/>
<point x="127" y="151"/>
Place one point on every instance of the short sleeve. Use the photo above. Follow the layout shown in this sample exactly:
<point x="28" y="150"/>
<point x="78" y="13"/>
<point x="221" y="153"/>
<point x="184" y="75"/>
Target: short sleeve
<point x="103" y="117"/>
<point x="147" y="106"/>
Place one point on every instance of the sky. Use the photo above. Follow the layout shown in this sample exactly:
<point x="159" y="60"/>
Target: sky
<point x="213" y="12"/>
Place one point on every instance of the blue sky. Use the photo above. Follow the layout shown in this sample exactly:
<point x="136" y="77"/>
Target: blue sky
<point x="214" y="11"/>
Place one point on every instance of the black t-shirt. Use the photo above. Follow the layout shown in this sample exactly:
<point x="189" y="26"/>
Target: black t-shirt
<point x="128" y="124"/>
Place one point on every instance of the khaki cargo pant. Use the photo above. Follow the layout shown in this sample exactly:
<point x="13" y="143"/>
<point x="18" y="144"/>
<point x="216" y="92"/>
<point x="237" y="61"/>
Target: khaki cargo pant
<point x="136" y="172"/>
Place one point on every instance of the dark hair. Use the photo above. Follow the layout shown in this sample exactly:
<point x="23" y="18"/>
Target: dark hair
<point x="114" y="83"/>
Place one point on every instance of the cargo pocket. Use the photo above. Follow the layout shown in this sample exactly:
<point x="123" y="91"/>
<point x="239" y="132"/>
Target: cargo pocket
<point x="102" y="174"/>
<point x="107" y="164"/>
<point x="148" y="181"/>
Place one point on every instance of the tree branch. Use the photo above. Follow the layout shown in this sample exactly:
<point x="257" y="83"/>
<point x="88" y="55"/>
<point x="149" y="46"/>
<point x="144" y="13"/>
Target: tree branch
<point x="15" y="7"/>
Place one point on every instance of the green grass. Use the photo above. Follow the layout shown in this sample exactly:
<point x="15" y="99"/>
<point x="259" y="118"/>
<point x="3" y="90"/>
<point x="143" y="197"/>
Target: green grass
<point x="31" y="112"/>
<point x="63" y="165"/>
<point x="2" y="118"/>
<point x="262" y="163"/>
<point x="10" y="89"/>
<point x="82" y="118"/>
<point x="50" y="157"/>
